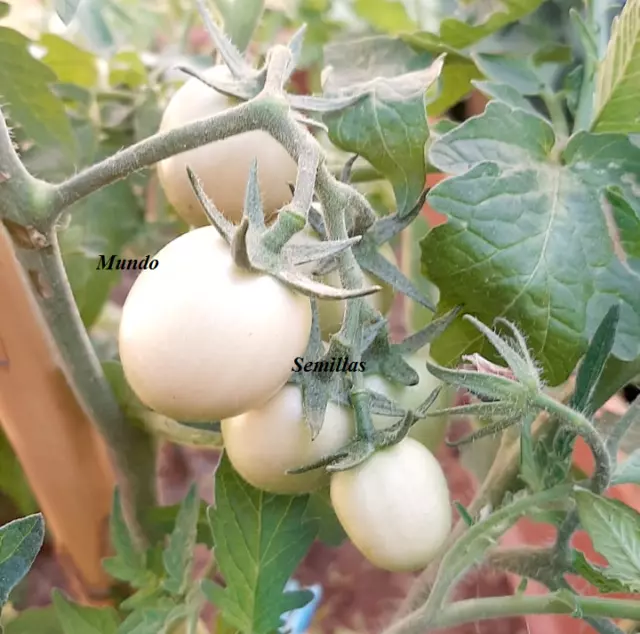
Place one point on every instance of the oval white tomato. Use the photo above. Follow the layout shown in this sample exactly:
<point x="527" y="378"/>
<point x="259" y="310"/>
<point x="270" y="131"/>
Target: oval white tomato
<point x="223" y="166"/>
<point x="264" y="443"/>
<point x="201" y="339"/>
<point x="395" y="506"/>
<point x="429" y="431"/>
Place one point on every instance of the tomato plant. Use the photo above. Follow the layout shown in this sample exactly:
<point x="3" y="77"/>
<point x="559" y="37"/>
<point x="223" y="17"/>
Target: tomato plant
<point x="214" y="236"/>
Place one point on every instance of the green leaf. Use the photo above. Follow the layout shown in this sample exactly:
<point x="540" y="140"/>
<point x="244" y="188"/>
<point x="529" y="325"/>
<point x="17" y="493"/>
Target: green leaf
<point x="596" y="575"/>
<point x="240" y="23"/>
<point x="100" y="225"/>
<point x="455" y="83"/>
<point x="148" y="620"/>
<point x="35" y="620"/>
<point x="479" y="20"/>
<point x="127" y="69"/>
<point x="129" y="563"/>
<point x="506" y="94"/>
<point x="178" y="555"/>
<point x="78" y="619"/>
<point x="514" y="245"/>
<point x="530" y="471"/>
<point x="614" y="529"/>
<point x="66" y="9"/>
<point x="594" y="361"/>
<point x="319" y="508"/>
<point x="13" y="482"/>
<point x="388" y="127"/>
<point x="628" y="472"/>
<point x="163" y="520"/>
<point x="618" y="78"/>
<point x="259" y="540"/>
<point x="516" y="72"/>
<point x="25" y="88"/>
<point x="93" y="25"/>
<point x="20" y="542"/>
<point x="388" y="16"/>
<point x="70" y="63"/>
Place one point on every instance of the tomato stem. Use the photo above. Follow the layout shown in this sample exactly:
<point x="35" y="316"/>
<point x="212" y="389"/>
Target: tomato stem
<point x="474" y="610"/>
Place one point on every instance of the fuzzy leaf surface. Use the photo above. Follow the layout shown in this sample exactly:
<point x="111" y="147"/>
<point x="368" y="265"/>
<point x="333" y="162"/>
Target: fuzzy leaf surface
<point x="535" y="239"/>
<point x="259" y="541"/>
<point x="20" y="542"/>
<point x="614" y="529"/>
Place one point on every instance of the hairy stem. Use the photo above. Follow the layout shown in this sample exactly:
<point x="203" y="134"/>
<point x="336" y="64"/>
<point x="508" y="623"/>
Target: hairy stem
<point x="474" y="610"/>
<point x="583" y="427"/>
<point x="457" y="560"/>
<point x="131" y="448"/>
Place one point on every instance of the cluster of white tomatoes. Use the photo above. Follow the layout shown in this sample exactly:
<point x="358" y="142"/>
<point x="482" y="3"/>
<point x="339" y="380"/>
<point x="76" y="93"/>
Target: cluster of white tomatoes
<point x="203" y="340"/>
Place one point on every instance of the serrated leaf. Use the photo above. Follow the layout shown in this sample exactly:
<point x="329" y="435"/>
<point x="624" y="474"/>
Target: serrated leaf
<point x="178" y="555"/>
<point x="25" y="88"/>
<point x="320" y="510"/>
<point x="617" y="108"/>
<point x="79" y="619"/>
<point x="20" y="543"/>
<point x="614" y="529"/>
<point x="260" y="539"/>
<point x="479" y="20"/>
<point x="596" y="575"/>
<point x="129" y="562"/>
<point x="388" y="127"/>
<point x="66" y="9"/>
<point x="628" y="472"/>
<point x="70" y="63"/>
<point x="514" y="243"/>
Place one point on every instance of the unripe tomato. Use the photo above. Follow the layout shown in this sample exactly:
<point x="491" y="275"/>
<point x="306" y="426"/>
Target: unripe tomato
<point x="223" y="166"/>
<point x="395" y="506"/>
<point x="201" y="339"/>
<point x="331" y="311"/>
<point x="429" y="431"/>
<point x="264" y="443"/>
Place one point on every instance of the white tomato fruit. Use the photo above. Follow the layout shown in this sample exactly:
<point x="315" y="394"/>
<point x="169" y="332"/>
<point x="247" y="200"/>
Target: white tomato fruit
<point x="395" y="506"/>
<point x="429" y="431"/>
<point x="222" y="166"/>
<point x="201" y="339"/>
<point x="264" y="443"/>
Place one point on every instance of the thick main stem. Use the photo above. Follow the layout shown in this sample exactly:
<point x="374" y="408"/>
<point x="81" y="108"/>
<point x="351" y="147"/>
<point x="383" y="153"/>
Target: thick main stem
<point x="132" y="449"/>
